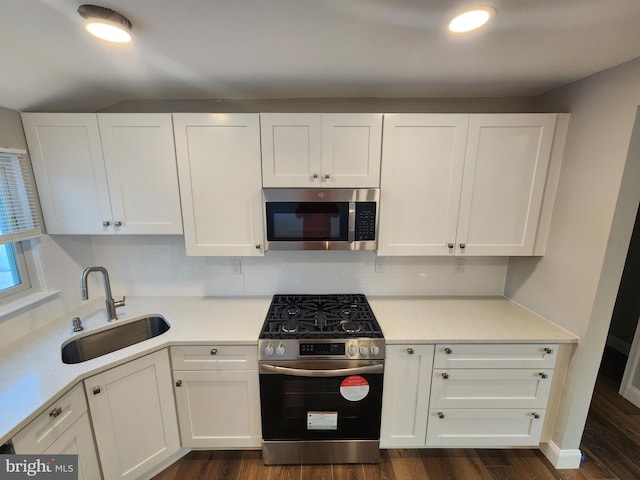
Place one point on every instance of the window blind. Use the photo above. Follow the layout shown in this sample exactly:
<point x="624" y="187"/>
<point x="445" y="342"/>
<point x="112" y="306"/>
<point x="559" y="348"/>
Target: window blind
<point x="20" y="217"/>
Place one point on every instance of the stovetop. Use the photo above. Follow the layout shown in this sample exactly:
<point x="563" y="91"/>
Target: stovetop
<point x="320" y="316"/>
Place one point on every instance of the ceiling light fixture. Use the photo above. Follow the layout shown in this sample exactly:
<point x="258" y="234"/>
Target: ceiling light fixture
<point x="471" y="19"/>
<point x="106" y="23"/>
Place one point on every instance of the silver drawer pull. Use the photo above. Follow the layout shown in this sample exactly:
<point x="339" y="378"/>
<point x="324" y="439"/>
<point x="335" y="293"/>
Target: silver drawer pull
<point x="178" y="383"/>
<point x="535" y="415"/>
<point x="548" y="350"/>
<point x="214" y="351"/>
<point x="448" y="351"/>
<point x="445" y="376"/>
<point x="543" y="375"/>
<point x="410" y="351"/>
<point x="440" y="415"/>
<point x="55" y="413"/>
<point x="96" y="390"/>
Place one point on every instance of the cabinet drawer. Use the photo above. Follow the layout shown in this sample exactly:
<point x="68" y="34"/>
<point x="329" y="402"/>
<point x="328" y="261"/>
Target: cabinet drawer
<point x="484" y="355"/>
<point x="48" y="426"/>
<point x="484" y="427"/>
<point x="212" y="357"/>
<point x="491" y="388"/>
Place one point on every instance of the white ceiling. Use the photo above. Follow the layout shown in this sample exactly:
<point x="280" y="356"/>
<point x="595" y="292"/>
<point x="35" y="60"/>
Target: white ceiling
<point x="242" y="49"/>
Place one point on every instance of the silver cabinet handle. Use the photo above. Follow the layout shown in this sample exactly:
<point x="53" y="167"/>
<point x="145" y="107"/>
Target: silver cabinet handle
<point x="445" y="376"/>
<point x="548" y="350"/>
<point x="96" y="390"/>
<point x="410" y="351"/>
<point x="535" y="415"/>
<point x="214" y="351"/>
<point x="448" y="351"/>
<point x="543" y="375"/>
<point x="463" y="245"/>
<point x="55" y="412"/>
<point x="440" y="414"/>
<point x="106" y="223"/>
<point x="339" y="372"/>
<point x="178" y="383"/>
<point x="327" y="176"/>
<point x="315" y="175"/>
<point x="117" y="223"/>
<point x="450" y="245"/>
<point x="258" y="246"/>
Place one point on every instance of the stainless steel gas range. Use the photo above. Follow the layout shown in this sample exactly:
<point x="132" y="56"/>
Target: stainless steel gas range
<point x="321" y="364"/>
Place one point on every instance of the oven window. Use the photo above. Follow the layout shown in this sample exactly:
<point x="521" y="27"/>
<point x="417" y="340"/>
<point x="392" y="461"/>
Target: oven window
<point x="289" y="402"/>
<point x="313" y="221"/>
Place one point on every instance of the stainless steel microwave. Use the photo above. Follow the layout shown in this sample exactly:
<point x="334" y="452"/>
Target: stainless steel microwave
<point x="321" y="219"/>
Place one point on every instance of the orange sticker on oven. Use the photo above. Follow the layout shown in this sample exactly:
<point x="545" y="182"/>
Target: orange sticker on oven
<point x="354" y="388"/>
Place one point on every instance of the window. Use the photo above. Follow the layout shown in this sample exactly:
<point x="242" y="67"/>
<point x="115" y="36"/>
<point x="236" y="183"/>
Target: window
<point x="20" y="221"/>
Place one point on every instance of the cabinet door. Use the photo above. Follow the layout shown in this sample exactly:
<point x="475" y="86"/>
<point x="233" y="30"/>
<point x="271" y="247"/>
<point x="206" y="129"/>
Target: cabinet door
<point x="66" y="155"/>
<point x="291" y="149"/>
<point x="218" y="409"/>
<point x="422" y="166"/>
<point x="134" y="418"/>
<point x="351" y="146"/>
<point x="405" y="398"/>
<point x="78" y="440"/>
<point x="477" y="428"/>
<point x="504" y="178"/>
<point x="220" y="185"/>
<point x="494" y="388"/>
<point x="140" y="162"/>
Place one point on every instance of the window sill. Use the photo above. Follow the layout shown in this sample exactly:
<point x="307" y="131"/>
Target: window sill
<point x="26" y="302"/>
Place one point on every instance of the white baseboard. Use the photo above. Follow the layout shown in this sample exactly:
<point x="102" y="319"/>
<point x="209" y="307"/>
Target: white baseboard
<point x="633" y="395"/>
<point x="621" y="346"/>
<point x="561" y="459"/>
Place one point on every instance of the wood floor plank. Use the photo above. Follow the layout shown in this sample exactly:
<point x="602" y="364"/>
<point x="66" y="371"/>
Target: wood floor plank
<point x="408" y="465"/>
<point x="316" y="472"/>
<point x="382" y="470"/>
<point x="348" y="472"/>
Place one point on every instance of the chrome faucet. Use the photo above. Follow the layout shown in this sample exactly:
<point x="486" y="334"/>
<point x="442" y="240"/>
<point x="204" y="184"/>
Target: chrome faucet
<point x="109" y="301"/>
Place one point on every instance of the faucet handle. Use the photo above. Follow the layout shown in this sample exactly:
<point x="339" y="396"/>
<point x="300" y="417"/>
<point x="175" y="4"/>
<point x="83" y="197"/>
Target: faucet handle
<point x="119" y="303"/>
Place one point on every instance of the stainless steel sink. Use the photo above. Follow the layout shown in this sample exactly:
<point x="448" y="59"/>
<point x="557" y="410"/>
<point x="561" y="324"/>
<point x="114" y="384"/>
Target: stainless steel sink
<point x="81" y="349"/>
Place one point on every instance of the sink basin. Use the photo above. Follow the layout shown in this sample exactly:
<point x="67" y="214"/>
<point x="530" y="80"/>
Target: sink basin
<point x="93" y="345"/>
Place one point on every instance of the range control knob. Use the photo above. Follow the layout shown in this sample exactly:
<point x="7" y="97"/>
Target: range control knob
<point x="353" y="350"/>
<point x="280" y="350"/>
<point x="375" y="349"/>
<point x="269" y="350"/>
<point x="364" y="350"/>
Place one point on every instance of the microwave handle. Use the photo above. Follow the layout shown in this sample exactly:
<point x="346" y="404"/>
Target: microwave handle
<point x="351" y="234"/>
<point x="339" y="372"/>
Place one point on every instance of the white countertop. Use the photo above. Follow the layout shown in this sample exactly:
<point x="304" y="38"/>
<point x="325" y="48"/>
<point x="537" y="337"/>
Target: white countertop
<point x="32" y="374"/>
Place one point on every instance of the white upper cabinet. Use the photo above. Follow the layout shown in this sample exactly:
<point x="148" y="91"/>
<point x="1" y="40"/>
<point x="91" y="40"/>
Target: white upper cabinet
<point x="105" y="173"/>
<point x="463" y="184"/>
<point x="504" y="179"/>
<point x="220" y="184"/>
<point x="422" y="165"/>
<point x="321" y="150"/>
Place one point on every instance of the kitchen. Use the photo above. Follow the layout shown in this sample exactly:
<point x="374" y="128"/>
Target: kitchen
<point x="573" y="285"/>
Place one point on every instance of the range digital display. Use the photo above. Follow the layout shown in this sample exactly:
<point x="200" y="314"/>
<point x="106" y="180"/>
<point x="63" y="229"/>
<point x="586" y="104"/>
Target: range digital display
<point x="316" y="349"/>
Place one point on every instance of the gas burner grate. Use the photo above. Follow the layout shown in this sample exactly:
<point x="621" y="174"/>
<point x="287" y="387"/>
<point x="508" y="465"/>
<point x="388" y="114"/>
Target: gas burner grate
<point x="320" y="316"/>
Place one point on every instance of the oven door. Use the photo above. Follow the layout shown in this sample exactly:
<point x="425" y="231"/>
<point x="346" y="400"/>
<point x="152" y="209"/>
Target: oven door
<point x="324" y="400"/>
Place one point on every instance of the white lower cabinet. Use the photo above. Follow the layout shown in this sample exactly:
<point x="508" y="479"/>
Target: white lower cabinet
<point x="502" y="404"/>
<point x="65" y="429"/>
<point x="133" y="412"/>
<point x="405" y="397"/>
<point x="217" y="394"/>
<point x="466" y="395"/>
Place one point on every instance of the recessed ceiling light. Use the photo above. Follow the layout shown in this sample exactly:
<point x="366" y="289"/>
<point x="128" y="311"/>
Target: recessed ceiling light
<point x="106" y="23"/>
<point x="471" y="19"/>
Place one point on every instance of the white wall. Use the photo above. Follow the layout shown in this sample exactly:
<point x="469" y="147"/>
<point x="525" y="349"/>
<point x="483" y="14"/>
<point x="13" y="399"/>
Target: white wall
<point x="158" y="266"/>
<point x="576" y="282"/>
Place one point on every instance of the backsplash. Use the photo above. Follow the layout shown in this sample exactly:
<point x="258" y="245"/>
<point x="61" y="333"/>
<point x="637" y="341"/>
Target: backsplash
<point x="158" y="265"/>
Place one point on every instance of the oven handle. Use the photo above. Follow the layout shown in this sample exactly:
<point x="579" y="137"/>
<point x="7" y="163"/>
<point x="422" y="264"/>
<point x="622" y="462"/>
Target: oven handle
<point x="303" y="372"/>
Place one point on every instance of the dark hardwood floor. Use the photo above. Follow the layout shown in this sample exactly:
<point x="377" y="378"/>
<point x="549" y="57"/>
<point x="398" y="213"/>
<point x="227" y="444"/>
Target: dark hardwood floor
<point x="611" y="446"/>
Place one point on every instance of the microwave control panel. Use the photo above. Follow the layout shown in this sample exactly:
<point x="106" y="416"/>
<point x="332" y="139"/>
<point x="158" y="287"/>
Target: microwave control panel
<point x="365" y="221"/>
